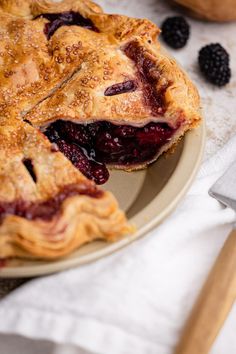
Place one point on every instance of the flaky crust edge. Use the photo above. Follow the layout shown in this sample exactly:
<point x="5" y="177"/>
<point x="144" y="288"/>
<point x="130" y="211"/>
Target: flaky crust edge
<point x="81" y="220"/>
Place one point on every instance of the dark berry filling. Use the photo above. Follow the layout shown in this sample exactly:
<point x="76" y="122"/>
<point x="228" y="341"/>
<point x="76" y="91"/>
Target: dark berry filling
<point x="46" y="209"/>
<point x="148" y="76"/>
<point x="84" y="162"/>
<point x="122" y="87"/>
<point x="68" y="18"/>
<point x="3" y="263"/>
<point x="90" y="146"/>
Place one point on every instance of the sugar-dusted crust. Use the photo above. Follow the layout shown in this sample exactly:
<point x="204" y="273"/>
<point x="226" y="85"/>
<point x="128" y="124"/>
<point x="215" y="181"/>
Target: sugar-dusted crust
<point x="31" y="8"/>
<point x="31" y="67"/>
<point x="47" y="207"/>
<point x="77" y="65"/>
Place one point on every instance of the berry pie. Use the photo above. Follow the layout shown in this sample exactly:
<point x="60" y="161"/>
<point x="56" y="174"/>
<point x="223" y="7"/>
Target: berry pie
<point x="81" y="92"/>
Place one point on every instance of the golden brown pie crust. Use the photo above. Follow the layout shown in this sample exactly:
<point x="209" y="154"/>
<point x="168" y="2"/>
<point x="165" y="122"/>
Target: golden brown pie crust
<point x="64" y="77"/>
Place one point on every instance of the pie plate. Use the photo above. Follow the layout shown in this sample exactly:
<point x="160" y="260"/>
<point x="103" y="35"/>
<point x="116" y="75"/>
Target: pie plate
<point x="147" y="196"/>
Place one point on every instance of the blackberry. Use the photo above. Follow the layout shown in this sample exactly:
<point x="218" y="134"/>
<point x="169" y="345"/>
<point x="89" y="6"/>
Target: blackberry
<point x="213" y="60"/>
<point x="175" y="31"/>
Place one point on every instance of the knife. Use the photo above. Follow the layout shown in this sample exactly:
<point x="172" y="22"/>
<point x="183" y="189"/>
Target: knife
<point x="219" y="292"/>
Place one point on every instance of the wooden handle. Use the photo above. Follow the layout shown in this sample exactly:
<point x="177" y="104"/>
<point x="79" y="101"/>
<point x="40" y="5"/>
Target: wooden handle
<point x="213" y="304"/>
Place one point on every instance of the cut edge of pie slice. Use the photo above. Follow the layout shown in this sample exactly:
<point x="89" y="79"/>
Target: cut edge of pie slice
<point x="47" y="207"/>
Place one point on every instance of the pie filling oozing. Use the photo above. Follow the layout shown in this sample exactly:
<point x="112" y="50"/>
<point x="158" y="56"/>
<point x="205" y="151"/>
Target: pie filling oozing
<point x="67" y="18"/>
<point x="91" y="146"/>
<point x="148" y="77"/>
<point x="46" y="209"/>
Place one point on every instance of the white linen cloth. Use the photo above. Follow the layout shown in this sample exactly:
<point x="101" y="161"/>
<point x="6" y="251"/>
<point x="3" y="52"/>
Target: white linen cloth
<point x="137" y="300"/>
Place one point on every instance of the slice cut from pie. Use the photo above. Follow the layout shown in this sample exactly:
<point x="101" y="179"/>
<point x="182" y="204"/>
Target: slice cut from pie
<point x="47" y="207"/>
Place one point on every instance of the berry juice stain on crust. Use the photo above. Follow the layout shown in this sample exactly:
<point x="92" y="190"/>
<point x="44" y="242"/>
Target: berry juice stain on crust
<point x="91" y="146"/>
<point x="46" y="209"/>
<point x="148" y="76"/>
<point x="68" y="18"/>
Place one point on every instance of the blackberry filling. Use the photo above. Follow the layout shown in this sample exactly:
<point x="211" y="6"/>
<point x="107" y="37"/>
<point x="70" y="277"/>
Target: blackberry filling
<point x="122" y="87"/>
<point x="67" y="18"/>
<point x="148" y="76"/>
<point x="3" y="263"/>
<point x="91" y="146"/>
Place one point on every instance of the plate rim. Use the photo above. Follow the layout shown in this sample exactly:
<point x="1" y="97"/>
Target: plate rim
<point x="199" y="135"/>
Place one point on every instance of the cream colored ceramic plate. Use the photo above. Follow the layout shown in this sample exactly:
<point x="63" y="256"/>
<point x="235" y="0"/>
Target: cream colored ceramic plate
<point x="147" y="196"/>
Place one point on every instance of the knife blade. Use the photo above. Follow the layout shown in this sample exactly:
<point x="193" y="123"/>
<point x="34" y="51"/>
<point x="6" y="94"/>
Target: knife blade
<point x="219" y="291"/>
<point x="224" y="188"/>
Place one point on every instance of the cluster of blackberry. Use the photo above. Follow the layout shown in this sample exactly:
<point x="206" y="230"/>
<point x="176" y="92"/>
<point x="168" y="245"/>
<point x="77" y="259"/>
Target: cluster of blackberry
<point x="213" y="59"/>
<point x="214" y="64"/>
